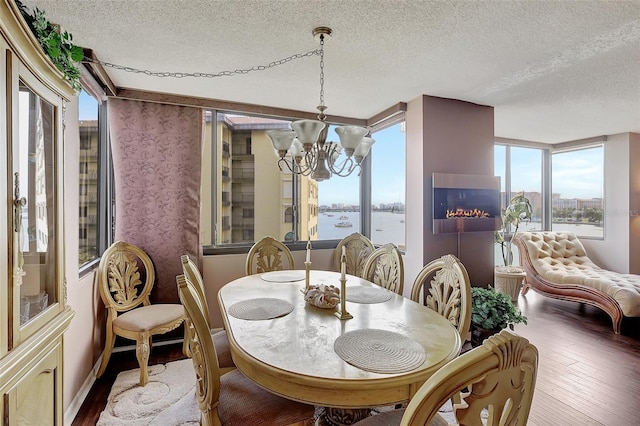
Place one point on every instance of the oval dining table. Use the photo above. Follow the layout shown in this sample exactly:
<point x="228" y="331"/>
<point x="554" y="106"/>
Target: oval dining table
<point x="293" y="355"/>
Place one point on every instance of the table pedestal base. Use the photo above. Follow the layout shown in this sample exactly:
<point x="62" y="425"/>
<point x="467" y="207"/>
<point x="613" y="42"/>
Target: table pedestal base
<point x="344" y="416"/>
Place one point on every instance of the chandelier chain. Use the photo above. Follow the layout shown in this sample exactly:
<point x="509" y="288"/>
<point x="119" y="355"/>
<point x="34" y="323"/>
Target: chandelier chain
<point x="272" y="64"/>
<point x="321" y="107"/>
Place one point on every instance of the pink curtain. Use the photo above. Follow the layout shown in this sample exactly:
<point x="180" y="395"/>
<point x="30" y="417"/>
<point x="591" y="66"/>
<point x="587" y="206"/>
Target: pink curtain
<point x="157" y="151"/>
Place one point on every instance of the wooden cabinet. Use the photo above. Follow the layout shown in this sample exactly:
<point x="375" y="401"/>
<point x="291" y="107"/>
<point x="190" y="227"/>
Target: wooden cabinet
<point x="33" y="311"/>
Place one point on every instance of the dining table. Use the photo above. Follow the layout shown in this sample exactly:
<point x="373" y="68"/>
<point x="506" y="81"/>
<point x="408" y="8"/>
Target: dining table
<point x="379" y="357"/>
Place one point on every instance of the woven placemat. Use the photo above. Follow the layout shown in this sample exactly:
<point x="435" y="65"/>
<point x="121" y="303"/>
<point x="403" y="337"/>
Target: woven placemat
<point x="262" y="308"/>
<point x="282" y="276"/>
<point x="362" y="294"/>
<point x="379" y="351"/>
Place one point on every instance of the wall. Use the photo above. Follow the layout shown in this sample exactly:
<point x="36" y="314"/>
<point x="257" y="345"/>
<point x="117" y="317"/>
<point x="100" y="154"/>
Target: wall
<point x="456" y="137"/>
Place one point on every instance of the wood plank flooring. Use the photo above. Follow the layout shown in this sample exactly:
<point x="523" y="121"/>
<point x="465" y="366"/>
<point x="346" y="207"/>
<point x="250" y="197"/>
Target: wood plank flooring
<point x="587" y="374"/>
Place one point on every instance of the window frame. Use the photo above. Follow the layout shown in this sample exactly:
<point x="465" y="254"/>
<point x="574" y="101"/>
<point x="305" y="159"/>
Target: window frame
<point x="547" y="151"/>
<point x="364" y="185"/>
<point x="105" y="202"/>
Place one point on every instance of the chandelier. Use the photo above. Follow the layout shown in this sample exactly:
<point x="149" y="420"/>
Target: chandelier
<point x="304" y="148"/>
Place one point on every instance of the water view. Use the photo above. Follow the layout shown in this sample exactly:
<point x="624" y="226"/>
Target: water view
<point x="386" y="227"/>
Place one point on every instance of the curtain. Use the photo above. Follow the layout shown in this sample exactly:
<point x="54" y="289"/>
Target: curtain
<point x="157" y="151"/>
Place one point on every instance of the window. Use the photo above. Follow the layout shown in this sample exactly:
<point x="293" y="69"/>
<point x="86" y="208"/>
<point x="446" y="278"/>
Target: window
<point x="521" y="171"/>
<point x="94" y="216"/>
<point x="388" y="166"/>
<point x="240" y="174"/>
<point x="577" y="197"/>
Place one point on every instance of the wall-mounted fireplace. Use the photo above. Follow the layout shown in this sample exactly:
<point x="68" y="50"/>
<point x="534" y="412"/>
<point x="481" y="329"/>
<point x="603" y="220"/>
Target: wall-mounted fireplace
<point x="465" y="203"/>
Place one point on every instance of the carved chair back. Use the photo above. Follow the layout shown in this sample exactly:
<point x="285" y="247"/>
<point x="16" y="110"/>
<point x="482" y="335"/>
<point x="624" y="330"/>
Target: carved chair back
<point x="500" y="376"/>
<point x="443" y="285"/>
<point x="357" y="250"/>
<point x="268" y="255"/>
<point x="385" y="267"/>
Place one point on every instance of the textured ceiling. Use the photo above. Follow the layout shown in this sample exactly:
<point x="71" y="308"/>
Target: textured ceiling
<point x="555" y="71"/>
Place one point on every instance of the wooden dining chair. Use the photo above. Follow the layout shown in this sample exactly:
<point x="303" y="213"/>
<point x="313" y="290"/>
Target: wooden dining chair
<point x="499" y="376"/>
<point x="230" y="399"/>
<point x="125" y="279"/>
<point x="268" y="255"/>
<point x="220" y="340"/>
<point x="385" y="267"/>
<point x="357" y="250"/>
<point x="444" y="286"/>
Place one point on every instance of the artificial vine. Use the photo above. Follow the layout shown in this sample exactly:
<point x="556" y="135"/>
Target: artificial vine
<point x="58" y="45"/>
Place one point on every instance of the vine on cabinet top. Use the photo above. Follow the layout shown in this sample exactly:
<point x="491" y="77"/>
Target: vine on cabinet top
<point x="57" y="44"/>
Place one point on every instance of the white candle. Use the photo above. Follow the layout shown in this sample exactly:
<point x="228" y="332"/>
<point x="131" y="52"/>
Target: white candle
<point x="308" y="251"/>
<point x="343" y="263"/>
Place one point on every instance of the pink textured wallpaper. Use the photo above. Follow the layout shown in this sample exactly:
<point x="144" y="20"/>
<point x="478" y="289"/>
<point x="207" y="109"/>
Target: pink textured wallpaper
<point x="157" y="151"/>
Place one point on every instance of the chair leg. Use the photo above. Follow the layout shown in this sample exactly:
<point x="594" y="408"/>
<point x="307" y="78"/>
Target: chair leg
<point x="106" y="354"/>
<point x="143" y="347"/>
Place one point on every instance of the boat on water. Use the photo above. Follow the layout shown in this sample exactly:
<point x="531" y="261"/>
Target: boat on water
<point x="344" y="217"/>
<point x="344" y="224"/>
<point x="378" y="229"/>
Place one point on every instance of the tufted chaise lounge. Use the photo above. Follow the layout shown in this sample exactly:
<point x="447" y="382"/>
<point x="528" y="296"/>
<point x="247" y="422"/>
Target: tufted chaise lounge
<point x="557" y="266"/>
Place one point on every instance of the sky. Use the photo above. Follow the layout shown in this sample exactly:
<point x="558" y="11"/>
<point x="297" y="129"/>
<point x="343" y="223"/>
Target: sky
<point x="388" y="172"/>
<point x="575" y="174"/>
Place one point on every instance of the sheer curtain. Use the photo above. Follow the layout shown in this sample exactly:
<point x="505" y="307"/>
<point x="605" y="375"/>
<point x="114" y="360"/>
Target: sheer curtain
<point x="157" y="151"/>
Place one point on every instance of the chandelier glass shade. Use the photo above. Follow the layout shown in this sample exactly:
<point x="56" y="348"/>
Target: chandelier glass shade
<point x="304" y="149"/>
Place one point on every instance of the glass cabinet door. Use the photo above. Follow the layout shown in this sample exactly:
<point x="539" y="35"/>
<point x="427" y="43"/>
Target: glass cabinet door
<point x="34" y="205"/>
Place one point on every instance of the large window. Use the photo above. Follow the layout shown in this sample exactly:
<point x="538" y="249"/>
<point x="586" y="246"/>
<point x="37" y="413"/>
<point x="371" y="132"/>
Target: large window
<point x="577" y="200"/>
<point x="388" y="178"/>
<point x="246" y="197"/>
<point x="93" y="175"/>
<point x="566" y="189"/>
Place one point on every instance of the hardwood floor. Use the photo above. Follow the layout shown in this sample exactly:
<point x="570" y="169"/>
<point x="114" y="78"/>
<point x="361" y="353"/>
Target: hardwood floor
<point x="587" y="374"/>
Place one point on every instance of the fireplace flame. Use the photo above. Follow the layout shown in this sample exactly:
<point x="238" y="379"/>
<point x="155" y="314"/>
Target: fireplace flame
<point x="466" y="213"/>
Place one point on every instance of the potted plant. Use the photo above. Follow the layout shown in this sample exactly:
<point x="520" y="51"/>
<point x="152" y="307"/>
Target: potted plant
<point x="508" y="278"/>
<point x="491" y="311"/>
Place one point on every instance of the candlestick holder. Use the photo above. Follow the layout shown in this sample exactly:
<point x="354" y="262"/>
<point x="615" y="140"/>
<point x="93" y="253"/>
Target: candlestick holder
<point x="342" y="313"/>
<point x="307" y="270"/>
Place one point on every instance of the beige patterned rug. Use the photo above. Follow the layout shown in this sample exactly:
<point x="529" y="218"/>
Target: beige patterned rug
<point x="168" y="399"/>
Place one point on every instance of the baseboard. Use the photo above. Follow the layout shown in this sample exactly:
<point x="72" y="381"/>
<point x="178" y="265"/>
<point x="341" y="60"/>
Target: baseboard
<point x="73" y="408"/>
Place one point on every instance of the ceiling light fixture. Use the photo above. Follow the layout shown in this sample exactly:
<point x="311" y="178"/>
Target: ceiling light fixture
<point x="304" y="150"/>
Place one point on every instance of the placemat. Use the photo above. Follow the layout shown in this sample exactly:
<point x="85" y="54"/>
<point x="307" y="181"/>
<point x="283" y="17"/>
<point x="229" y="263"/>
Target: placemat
<point x="283" y="276"/>
<point x="362" y="294"/>
<point x="379" y="351"/>
<point x="261" y="308"/>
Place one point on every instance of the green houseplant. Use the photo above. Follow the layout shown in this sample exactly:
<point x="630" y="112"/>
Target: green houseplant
<point x="491" y="311"/>
<point x="519" y="210"/>
<point x="58" y="45"/>
<point x="508" y="278"/>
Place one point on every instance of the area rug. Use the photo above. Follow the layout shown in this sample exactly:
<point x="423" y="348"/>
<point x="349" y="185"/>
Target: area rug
<point x="168" y="399"/>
